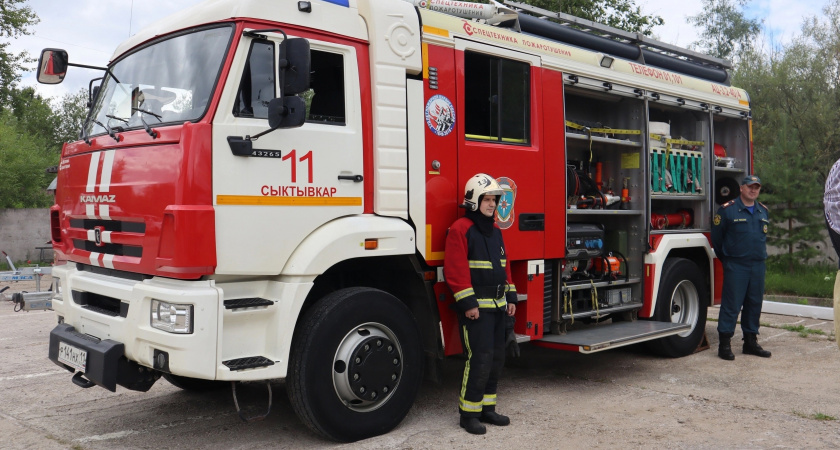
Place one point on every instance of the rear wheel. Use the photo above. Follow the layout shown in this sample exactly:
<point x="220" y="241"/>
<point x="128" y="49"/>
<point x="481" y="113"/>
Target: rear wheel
<point x="682" y="298"/>
<point x="356" y="364"/>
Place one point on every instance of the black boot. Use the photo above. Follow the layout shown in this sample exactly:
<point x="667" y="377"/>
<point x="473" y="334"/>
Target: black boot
<point x="472" y="425"/>
<point x="725" y="348"/>
<point x="494" y="418"/>
<point x="751" y="346"/>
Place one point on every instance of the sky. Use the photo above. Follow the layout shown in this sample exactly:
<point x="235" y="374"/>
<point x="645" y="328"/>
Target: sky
<point x="90" y="30"/>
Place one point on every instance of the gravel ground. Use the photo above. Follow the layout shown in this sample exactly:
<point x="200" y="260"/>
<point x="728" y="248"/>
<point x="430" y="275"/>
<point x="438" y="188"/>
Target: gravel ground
<point x="622" y="398"/>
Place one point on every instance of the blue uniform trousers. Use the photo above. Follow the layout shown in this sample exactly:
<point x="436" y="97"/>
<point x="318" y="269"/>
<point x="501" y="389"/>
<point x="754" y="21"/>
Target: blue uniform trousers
<point x="743" y="292"/>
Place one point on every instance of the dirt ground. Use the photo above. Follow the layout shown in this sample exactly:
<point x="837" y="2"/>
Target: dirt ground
<point x="624" y="398"/>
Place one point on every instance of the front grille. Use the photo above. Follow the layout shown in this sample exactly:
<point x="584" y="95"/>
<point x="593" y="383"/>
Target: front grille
<point x="109" y="225"/>
<point x="117" y="229"/>
<point x="110" y="249"/>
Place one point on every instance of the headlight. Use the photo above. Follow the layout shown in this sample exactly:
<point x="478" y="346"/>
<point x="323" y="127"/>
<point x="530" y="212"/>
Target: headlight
<point x="172" y="317"/>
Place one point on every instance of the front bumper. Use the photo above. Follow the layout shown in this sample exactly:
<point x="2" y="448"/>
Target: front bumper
<point x="106" y="365"/>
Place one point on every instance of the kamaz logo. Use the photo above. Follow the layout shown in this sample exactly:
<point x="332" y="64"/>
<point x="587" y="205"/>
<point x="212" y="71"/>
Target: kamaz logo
<point x="85" y="198"/>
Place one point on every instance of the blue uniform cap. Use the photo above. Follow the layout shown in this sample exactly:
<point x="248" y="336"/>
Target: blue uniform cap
<point x="751" y="179"/>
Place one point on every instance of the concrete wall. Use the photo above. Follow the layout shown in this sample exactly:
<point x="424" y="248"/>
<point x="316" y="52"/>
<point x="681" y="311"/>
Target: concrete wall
<point x="22" y="230"/>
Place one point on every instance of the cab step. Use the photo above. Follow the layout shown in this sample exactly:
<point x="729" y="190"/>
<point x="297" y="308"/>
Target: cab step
<point x="253" y="302"/>
<point x="249" y="362"/>
<point x="613" y="335"/>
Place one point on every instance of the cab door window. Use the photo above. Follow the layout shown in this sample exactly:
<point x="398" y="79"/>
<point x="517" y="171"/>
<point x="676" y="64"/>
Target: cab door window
<point x="325" y="97"/>
<point x="257" y="87"/>
<point x="497" y="95"/>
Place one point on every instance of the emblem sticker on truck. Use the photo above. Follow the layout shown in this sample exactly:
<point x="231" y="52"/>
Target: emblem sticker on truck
<point x="440" y="115"/>
<point x="504" y="212"/>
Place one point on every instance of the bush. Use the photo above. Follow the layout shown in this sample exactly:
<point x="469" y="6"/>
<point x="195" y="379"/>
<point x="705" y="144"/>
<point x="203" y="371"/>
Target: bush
<point x="23" y="180"/>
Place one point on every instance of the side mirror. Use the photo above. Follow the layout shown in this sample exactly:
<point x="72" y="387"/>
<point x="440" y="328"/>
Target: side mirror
<point x="52" y="66"/>
<point x="295" y="71"/>
<point x="286" y="112"/>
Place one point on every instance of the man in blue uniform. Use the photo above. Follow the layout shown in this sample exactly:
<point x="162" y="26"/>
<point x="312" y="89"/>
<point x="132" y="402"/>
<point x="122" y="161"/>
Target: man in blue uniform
<point x="739" y="235"/>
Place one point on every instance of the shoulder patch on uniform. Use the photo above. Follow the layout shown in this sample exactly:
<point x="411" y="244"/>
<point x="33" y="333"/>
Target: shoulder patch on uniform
<point x="728" y="204"/>
<point x="717" y="219"/>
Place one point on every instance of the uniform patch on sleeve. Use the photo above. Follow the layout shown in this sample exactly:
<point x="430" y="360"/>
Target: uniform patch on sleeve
<point x="717" y="219"/>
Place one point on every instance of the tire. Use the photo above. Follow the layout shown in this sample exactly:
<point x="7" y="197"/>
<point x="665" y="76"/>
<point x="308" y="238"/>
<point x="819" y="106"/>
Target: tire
<point x="682" y="299"/>
<point x="195" y="384"/>
<point x="350" y="332"/>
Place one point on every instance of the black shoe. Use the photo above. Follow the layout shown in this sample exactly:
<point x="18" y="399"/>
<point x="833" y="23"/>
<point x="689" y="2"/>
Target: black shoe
<point x="751" y="347"/>
<point x="725" y="348"/>
<point x="494" y="418"/>
<point x="472" y="425"/>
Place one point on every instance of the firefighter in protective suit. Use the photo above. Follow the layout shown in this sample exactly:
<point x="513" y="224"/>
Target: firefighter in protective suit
<point x="475" y="268"/>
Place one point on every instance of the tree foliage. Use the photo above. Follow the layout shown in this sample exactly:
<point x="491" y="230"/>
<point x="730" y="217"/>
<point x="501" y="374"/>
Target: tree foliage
<point x="726" y="32"/>
<point x="795" y="99"/>
<point x="15" y="20"/>
<point x="623" y="14"/>
<point x="791" y="195"/>
<point x="32" y="132"/>
<point x="23" y="179"/>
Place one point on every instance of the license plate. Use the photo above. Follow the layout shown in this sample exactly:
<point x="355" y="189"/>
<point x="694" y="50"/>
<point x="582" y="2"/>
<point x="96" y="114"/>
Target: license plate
<point x="72" y="356"/>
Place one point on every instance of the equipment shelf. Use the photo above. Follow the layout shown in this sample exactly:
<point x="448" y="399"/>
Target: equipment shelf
<point x="578" y="285"/>
<point x="677" y="196"/>
<point x="604" y="140"/>
<point x="607" y="212"/>
<point x="729" y="169"/>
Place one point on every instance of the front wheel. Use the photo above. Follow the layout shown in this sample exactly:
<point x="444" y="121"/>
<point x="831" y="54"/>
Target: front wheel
<point x="356" y="364"/>
<point x="682" y="298"/>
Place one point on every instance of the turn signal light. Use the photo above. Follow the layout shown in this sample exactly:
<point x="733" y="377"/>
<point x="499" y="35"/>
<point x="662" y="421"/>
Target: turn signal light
<point x="371" y="244"/>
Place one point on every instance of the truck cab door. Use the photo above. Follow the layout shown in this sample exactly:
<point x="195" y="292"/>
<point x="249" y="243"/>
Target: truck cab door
<point x="499" y="96"/>
<point x="296" y="179"/>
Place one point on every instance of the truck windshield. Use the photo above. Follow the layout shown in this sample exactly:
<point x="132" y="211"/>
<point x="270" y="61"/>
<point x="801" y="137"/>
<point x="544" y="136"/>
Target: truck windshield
<point x="169" y="81"/>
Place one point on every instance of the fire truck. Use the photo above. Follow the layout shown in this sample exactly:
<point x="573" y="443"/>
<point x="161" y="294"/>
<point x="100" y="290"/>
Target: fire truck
<point x="262" y="191"/>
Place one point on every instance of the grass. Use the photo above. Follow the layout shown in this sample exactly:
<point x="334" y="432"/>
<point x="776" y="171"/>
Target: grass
<point x="801" y="329"/>
<point x="4" y="266"/>
<point x="805" y="281"/>
<point x="816" y="416"/>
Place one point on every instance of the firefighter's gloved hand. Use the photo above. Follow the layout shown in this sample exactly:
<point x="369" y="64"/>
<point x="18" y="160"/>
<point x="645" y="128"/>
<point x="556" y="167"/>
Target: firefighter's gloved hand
<point x="510" y="341"/>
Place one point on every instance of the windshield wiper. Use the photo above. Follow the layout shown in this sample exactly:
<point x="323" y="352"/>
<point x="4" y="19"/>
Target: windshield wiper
<point x="118" y="128"/>
<point x="116" y="118"/>
<point x="108" y="129"/>
<point x="152" y="133"/>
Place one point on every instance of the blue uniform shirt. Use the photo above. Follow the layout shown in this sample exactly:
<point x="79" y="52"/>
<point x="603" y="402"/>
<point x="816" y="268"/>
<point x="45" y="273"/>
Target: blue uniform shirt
<point x="739" y="234"/>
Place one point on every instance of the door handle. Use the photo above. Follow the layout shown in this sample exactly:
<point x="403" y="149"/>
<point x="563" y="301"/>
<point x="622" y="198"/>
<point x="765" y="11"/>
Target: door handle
<point x="532" y="222"/>
<point x="353" y="178"/>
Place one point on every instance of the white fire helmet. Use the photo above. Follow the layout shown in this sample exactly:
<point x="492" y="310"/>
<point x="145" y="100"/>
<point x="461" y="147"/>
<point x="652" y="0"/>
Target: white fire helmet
<point x="478" y="185"/>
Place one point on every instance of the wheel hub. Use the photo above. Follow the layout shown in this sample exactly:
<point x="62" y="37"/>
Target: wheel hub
<point x="367" y="367"/>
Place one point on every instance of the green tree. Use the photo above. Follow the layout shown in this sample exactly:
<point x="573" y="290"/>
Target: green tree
<point x="792" y="197"/>
<point x="15" y="20"/>
<point x="23" y="180"/>
<point x="726" y="32"/>
<point x="70" y="113"/>
<point x="795" y="98"/>
<point x="623" y="14"/>
<point x="33" y="113"/>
